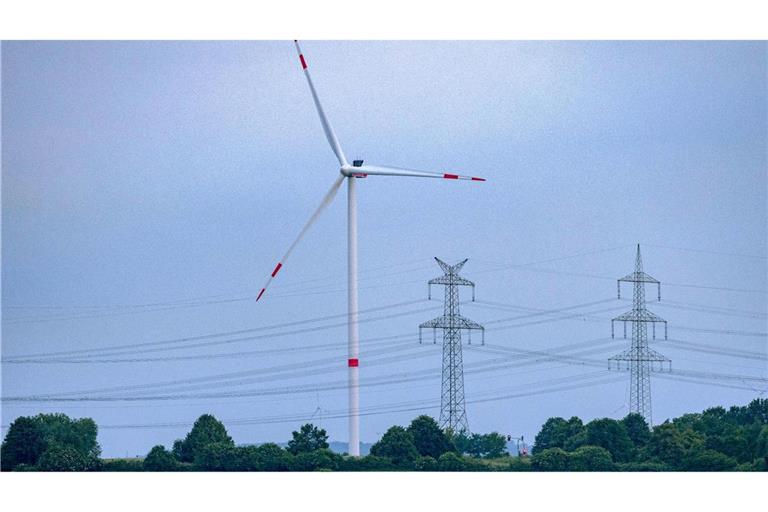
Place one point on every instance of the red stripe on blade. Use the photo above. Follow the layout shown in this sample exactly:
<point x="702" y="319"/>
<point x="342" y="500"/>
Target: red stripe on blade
<point x="260" y="294"/>
<point x="478" y="179"/>
<point x="277" y="269"/>
<point x="303" y="62"/>
<point x="353" y="363"/>
<point x="451" y="176"/>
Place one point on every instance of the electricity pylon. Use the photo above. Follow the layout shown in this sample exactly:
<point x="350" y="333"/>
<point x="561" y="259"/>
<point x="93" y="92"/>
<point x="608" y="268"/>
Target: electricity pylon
<point x="453" y="414"/>
<point x="639" y="359"/>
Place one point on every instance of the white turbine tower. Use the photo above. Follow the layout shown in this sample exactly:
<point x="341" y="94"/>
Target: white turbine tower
<point x="349" y="172"/>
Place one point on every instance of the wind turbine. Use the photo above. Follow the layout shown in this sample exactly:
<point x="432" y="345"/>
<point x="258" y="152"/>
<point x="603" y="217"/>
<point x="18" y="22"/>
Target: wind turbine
<point x="349" y="173"/>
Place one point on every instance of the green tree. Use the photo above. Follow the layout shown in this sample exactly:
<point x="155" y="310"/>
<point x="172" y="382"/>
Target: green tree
<point x="637" y="429"/>
<point x="590" y="458"/>
<point x="462" y="442"/>
<point x="79" y="434"/>
<point x="762" y="443"/>
<point x="308" y="439"/>
<point x="160" y="459"/>
<point x="551" y="459"/>
<point x="672" y="446"/>
<point x="611" y="435"/>
<point x="177" y="447"/>
<point x="29" y="438"/>
<point x="556" y="432"/>
<point x="429" y="438"/>
<point x="24" y="443"/>
<point x="221" y="456"/>
<point x="493" y="445"/>
<point x="270" y="457"/>
<point x="206" y="430"/>
<point x="62" y="458"/>
<point x="397" y="445"/>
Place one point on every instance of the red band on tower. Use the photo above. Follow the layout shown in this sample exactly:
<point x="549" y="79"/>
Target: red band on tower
<point x="303" y="62"/>
<point x="478" y="179"/>
<point x="451" y="176"/>
<point x="277" y="269"/>
<point x="260" y="294"/>
<point x="353" y="363"/>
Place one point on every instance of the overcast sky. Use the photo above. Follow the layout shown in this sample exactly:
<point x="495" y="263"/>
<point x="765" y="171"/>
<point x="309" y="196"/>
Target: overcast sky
<point x="149" y="187"/>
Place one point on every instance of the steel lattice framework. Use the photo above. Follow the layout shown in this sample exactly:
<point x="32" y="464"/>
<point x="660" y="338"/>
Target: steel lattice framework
<point x="453" y="414"/>
<point x="639" y="359"/>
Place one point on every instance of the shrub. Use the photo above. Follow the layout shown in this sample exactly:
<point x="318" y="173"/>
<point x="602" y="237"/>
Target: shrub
<point x="590" y="458"/>
<point x="425" y="463"/>
<point x="367" y="463"/>
<point x="449" y="461"/>
<point x="551" y="459"/>
<point x="519" y="464"/>
<point x="316" y="460"/>
<point x="122" y="465"/>
<point x="642" y="466"/>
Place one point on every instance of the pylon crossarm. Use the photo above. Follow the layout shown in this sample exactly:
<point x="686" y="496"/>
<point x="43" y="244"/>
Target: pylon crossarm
<point x="642" y="315"/>
<point x="451" y="280"/>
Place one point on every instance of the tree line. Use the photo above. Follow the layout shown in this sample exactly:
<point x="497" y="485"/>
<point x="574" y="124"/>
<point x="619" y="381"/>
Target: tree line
<point x="714" y="440"/>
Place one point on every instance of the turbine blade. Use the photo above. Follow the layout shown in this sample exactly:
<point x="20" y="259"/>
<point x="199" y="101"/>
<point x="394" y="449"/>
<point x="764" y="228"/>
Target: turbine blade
<point x="328" y="199"/>
<point x="327" y="128"/>
<point x="379" y="170"/>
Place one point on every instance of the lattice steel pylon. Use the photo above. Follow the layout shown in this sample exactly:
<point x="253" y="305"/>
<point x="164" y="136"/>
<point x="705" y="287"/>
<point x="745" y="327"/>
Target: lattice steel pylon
<point x="639" y="359"/>
<point x="453" y="414"/>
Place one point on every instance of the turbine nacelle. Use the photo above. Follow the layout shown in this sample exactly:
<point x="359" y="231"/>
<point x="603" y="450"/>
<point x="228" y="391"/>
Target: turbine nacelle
<point x="353" y="170"/>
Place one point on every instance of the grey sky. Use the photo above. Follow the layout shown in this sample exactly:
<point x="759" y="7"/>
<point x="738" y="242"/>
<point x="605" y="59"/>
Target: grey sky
<point x="139" y="173"/>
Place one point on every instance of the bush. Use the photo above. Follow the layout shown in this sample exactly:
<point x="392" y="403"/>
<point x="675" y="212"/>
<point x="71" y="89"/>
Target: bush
<point x="551" y="459"/>
<point x="519" y="464"/>
<point x="25" y="467"/>
<point x="367" y="463"/>
<point x="710" y="460"/>
<point x="425" y="463"/>
<point x="643" y="466"/>
<point x="590" y="458"/>
<point x="160" y="459"/>
<point x="122" y="465"/>
<point x="316" y="461"/>
<point x="449" y="461"/>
